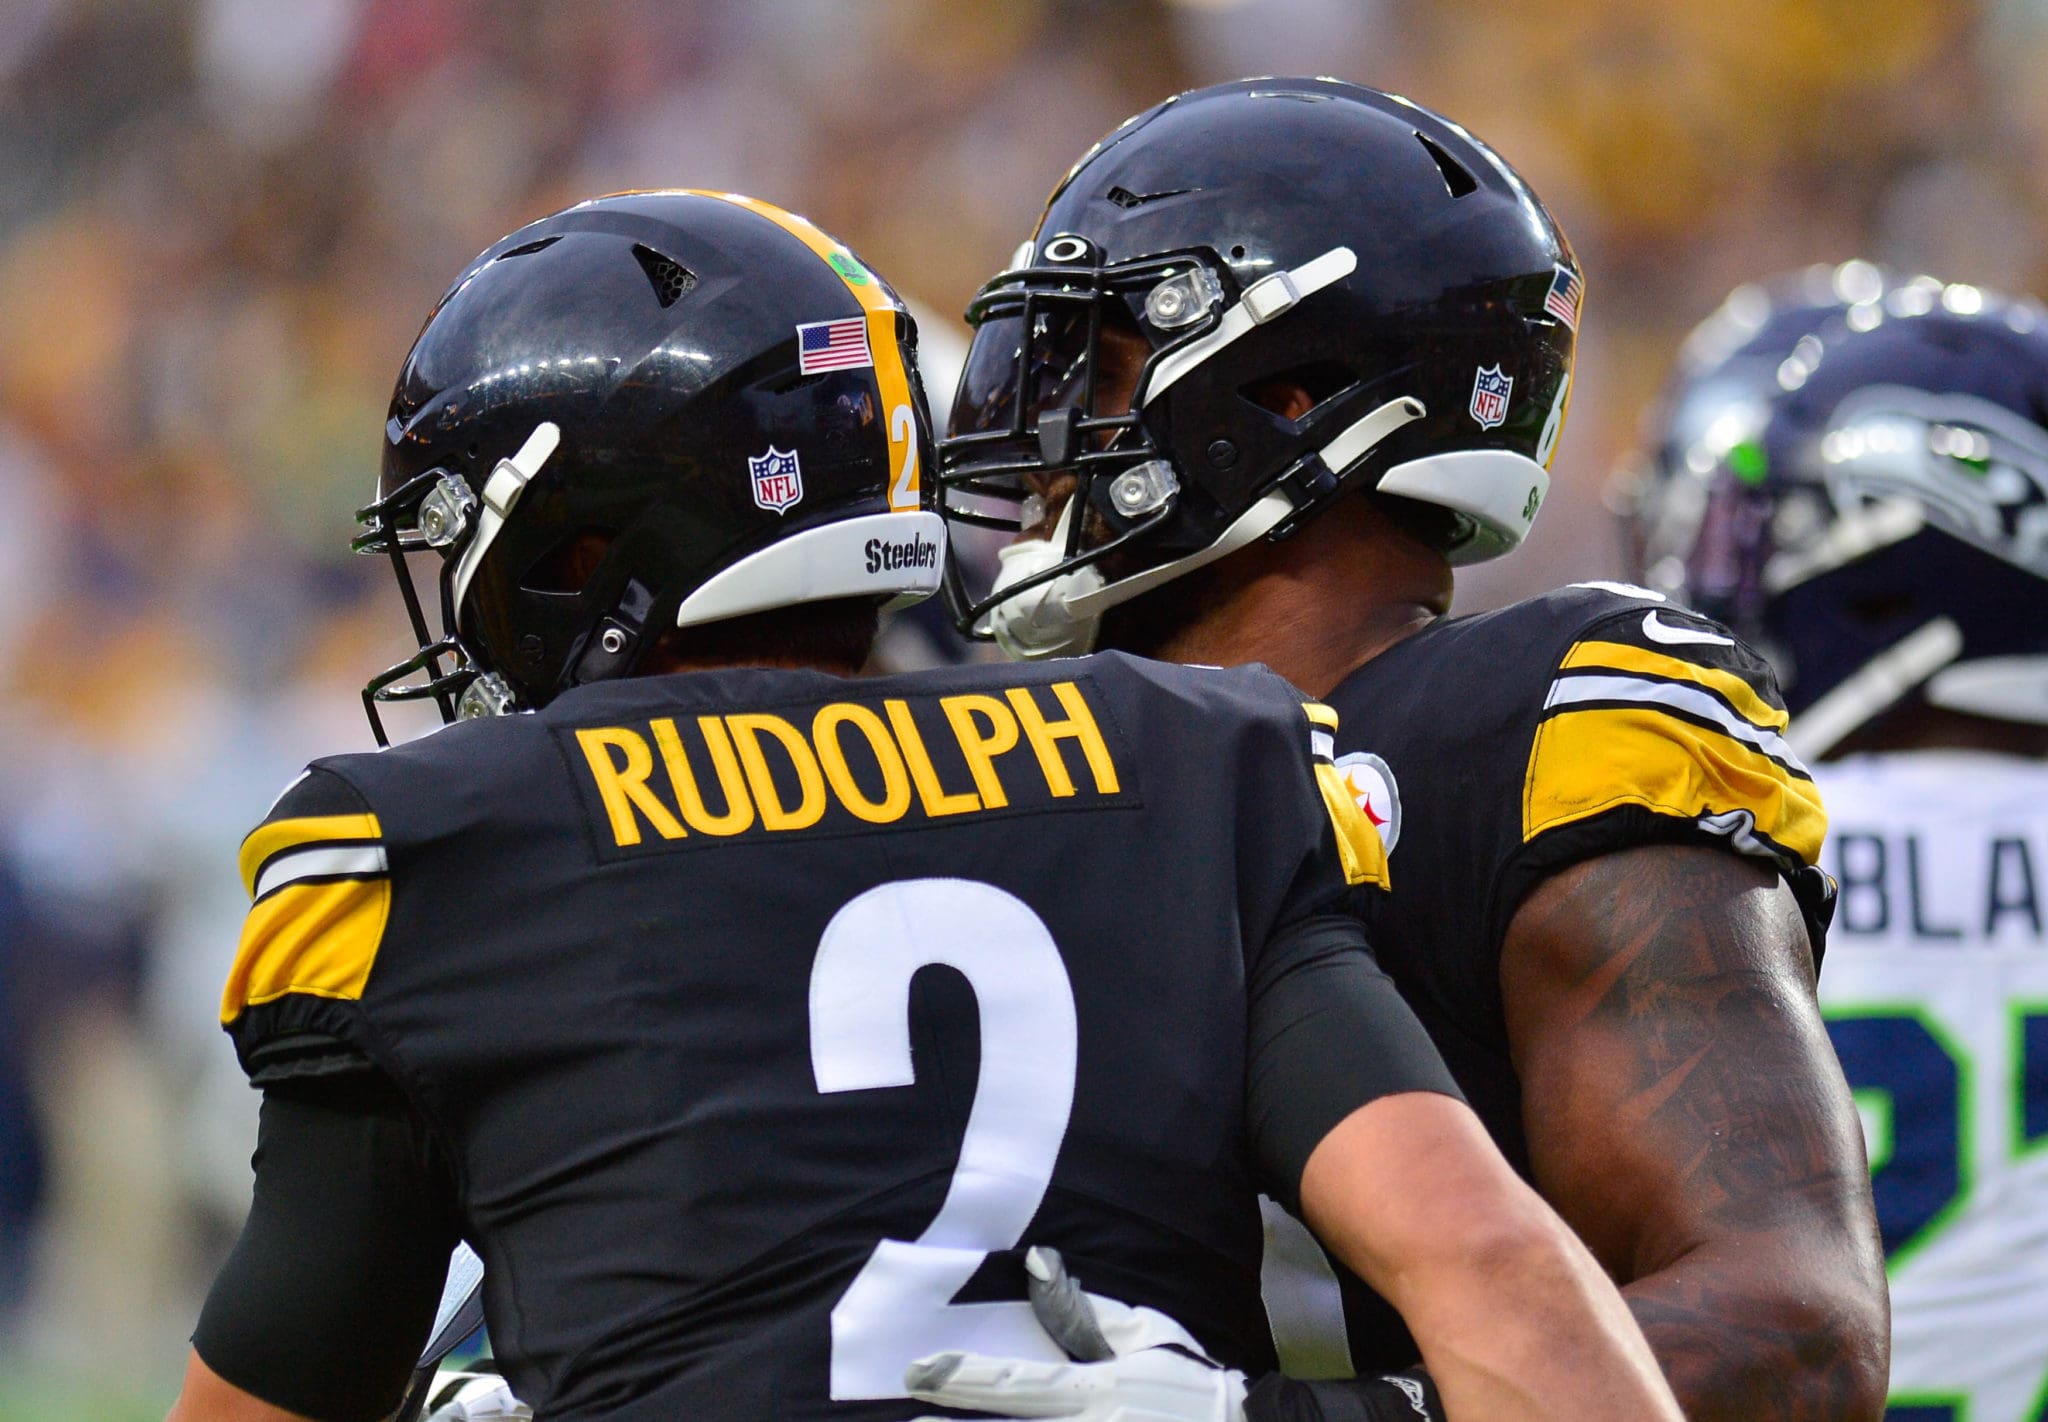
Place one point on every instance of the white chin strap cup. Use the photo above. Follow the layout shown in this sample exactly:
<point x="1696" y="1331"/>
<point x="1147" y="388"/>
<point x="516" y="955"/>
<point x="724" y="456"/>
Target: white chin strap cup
<point x="1040" y="622"/>
<point x="1061" y="617"/>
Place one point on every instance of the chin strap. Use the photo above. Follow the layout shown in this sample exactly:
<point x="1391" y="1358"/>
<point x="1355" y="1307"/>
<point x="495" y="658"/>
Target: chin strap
<point x="1061" y="617"/>
<point x="501" y="491"/>
<point x="1878" y="684"/>
<point x="1266" y="299"/>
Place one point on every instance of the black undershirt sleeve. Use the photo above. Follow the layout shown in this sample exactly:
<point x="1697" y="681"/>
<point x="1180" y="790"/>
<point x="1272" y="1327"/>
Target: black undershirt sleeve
<point x="327" y="1299"/>
<point x="1328" y="1034"/>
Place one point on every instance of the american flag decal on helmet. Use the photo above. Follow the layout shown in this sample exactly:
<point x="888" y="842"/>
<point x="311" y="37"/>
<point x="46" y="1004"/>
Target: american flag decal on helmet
<point x="1567" y="292"/>
<point x="833" y="345"/>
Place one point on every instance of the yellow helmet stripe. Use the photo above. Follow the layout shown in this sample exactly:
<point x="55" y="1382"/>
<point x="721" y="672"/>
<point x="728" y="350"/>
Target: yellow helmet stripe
<point x="890" y="373"/>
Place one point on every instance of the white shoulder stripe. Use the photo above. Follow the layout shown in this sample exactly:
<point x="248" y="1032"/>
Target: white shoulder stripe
<point x="1572" y="689"/>
<point x="1322" y="744"/>
<point x="322" y="861"/>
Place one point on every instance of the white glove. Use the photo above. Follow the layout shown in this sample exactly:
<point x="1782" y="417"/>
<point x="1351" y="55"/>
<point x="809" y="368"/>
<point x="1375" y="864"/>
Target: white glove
<point x="460" y="1396"/>
<point x="1137" y="1365"/>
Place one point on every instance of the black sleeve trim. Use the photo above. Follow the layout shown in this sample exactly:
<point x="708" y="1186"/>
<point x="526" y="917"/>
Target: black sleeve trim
<point x="265" y="1026"/>
<point x="1328" y="1034"/>
<point x="299" y="1055"/>
<point x="327" y="1298"/>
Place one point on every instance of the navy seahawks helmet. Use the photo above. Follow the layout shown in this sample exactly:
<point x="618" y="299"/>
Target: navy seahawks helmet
<point x="1718" y="395"/>
<point x="1882" y="533"/>
<point x="1304" y="234"/>
<point x="649" y="411"/>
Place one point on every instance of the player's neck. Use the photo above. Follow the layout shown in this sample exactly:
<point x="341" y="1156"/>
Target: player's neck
<point x="1314" y="607"/>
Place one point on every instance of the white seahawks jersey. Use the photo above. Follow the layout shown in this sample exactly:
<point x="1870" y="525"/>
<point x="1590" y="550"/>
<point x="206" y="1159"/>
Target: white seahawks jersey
<point x="1936" y="992"/>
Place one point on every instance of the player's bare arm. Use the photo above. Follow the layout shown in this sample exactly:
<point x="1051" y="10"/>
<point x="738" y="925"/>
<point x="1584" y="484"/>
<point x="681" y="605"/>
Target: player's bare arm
<point x="1514" y="1317"/>
<point x="1687" y="1116"/>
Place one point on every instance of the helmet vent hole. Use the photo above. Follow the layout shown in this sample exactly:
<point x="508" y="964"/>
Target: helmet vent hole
<point x="530" y="248"/>
<point x="1457" y="178"/>
<point x="1123" y="197"/>
<point x="668" y="276"/>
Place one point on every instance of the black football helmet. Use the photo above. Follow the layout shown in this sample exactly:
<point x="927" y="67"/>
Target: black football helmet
<point x="1305" y="233"/>
<point x="1882" y="532"/>
<point x="703" y="395"/>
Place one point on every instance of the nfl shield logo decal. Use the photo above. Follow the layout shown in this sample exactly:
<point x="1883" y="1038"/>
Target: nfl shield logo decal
<point x="778" y="479"/>
<point x="1490" y="396"/>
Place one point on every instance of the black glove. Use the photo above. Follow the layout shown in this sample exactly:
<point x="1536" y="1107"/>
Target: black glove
<point x="1407" y="1396"/>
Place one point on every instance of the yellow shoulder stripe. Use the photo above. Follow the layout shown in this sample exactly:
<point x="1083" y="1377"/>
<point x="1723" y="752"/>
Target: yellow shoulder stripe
<point x="1320" y="715"/>
<point x="890" y="372"/>
<point x="1587" y="762"/>
<point x="270" y="839"/>
<point x="316" y="938"/>
<point x="1359" y="846"/>
<point x="1727" y="685"/>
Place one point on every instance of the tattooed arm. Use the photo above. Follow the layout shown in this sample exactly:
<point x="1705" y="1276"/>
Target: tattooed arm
<point x="1686" y="1114"/>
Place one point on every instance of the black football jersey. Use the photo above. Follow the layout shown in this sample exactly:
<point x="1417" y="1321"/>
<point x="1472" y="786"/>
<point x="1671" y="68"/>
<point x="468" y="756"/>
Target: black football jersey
<point x="1498" y="749"/>
<point x="766" y="1015"/>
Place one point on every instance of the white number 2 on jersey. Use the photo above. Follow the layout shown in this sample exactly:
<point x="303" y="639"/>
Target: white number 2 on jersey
<point x="899" y="1306"/>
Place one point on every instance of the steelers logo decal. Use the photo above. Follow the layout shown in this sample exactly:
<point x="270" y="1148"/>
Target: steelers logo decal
<point x="1372" y="785"/>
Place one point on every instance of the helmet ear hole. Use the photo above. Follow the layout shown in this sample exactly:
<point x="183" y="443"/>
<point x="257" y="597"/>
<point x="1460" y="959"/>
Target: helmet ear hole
<point x="568" y="565"/>
<point x="1298" y="392"/>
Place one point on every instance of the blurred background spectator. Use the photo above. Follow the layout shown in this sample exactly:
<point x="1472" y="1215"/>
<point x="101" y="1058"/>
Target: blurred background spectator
<point x="221" y="222"/>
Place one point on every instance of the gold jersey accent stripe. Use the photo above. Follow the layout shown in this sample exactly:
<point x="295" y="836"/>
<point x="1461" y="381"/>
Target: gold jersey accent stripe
<point x="1320" y="715"/>
<point x="1731" y="688"/>
<point x="316" y="938"/>
<point x="268" y="840"/>
<point x="1584" y="763"/>
<point x="890" y="374"/>
<point x="1359" y="846"/>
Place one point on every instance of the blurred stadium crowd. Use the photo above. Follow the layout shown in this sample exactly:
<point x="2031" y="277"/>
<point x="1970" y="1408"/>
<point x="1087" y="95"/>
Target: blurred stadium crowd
<point x="221" y="222"/>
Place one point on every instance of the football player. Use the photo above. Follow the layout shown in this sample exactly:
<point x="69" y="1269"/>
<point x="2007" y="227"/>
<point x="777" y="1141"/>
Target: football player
<point x="1877" y="522"/>
<point x="760" y="1027"/>
<point x="1280" y="355"/>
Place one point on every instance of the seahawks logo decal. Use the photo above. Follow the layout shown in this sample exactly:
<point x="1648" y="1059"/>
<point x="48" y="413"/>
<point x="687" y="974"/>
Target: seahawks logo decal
<point x="1372" y="785"/>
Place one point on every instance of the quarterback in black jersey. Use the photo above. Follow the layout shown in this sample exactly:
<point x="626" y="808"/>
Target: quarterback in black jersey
<point x="771" y="1034"/>
<point x="1279" y="355"/>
